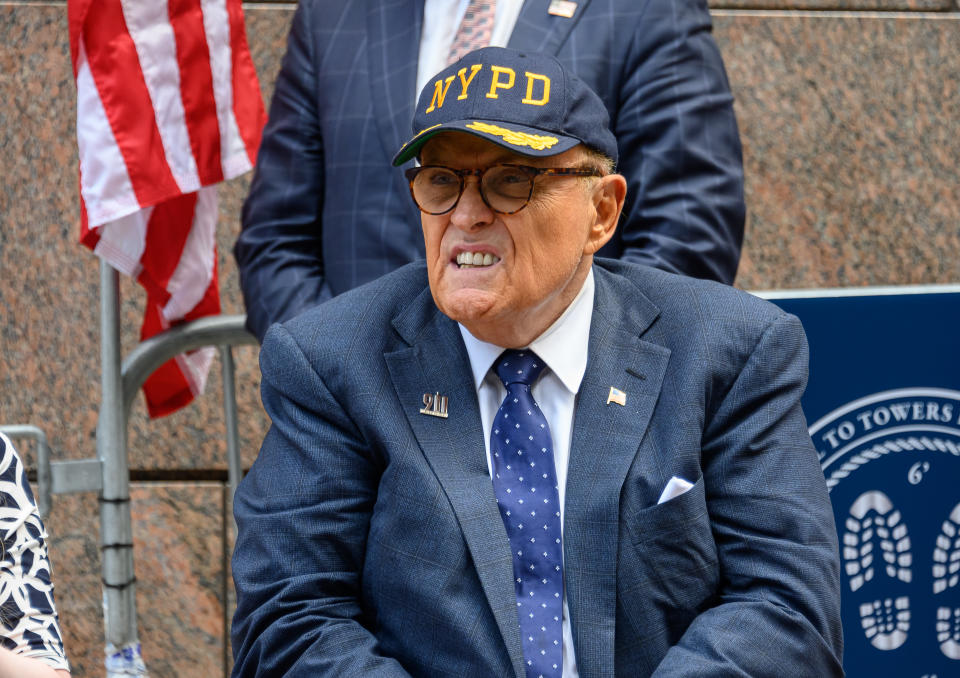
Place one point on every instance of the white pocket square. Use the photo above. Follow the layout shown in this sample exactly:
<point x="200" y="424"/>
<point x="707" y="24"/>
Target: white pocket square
<point x="675" y="487"/>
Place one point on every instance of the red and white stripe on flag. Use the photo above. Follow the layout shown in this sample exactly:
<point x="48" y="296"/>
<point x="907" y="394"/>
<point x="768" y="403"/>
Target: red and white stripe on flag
<point x="168" y="105"/>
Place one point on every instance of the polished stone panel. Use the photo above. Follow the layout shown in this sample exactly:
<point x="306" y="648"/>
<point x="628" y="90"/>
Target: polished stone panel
<point x="850" y="145"/>
<point x="838" y="5"/>
<point x="179" y="560"/>
<point x="73" y="527"/>
<point x="179" y="550"/>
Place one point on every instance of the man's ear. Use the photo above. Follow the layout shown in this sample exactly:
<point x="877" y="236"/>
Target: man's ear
<point x="608" y="196"/>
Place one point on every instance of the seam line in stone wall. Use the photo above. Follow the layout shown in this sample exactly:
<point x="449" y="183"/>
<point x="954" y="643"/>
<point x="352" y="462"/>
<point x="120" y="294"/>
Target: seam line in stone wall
<point x="947" y="14"/>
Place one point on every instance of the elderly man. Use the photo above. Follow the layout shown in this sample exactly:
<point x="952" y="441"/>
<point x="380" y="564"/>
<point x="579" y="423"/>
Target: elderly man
<point x="513" y="460"/>
<point x="325" y="214"/>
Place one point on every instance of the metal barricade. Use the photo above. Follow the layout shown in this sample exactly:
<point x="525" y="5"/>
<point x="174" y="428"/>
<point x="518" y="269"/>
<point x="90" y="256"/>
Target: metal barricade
<point x="120" y="386"/>
<point x="44" y="483"/>
<point x="109" y="473"/>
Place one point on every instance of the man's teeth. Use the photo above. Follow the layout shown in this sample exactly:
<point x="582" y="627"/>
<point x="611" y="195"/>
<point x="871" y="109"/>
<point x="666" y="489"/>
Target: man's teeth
<point x="471" y="259"/>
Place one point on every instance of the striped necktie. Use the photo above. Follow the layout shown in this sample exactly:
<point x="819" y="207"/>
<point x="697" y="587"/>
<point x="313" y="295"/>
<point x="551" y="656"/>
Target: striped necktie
<point x="475" y="29"/>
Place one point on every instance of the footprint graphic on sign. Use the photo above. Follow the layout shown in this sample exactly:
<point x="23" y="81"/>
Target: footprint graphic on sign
<point x="946" y="575"/>
<point x="876" y="544"/>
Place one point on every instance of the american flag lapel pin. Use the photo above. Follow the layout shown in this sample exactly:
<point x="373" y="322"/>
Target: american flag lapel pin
<point x="564" y="8"/>
<point x="617" y="396"/>
<point x="434" y="405"/>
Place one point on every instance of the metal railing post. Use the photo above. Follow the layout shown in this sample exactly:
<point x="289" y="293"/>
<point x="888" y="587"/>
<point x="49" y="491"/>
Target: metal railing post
<point x="234" y="470"/>
<point x="116" y="533"/>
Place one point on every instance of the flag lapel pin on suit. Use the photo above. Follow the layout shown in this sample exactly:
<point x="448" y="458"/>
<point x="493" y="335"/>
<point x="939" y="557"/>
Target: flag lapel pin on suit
<point x="617" y="396"/>
<point x="564" y="8"/>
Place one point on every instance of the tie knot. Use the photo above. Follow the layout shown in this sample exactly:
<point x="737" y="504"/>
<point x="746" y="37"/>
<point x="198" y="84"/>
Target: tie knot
<point x="519" y="367"/>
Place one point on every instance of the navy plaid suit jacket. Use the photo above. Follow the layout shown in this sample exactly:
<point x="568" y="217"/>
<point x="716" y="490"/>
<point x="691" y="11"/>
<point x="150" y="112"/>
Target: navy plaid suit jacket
<point x="370" y="543"/>
<point x="326" y="212"/>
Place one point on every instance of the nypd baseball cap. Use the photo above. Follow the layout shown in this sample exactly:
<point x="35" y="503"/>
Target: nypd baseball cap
<point x="526" y="102"/>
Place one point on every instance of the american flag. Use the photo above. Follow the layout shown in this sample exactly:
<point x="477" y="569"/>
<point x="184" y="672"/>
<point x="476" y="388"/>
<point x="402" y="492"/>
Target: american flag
<point x="168" y="105"/>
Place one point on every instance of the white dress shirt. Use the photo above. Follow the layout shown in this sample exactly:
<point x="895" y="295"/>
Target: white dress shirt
<point x="441" y="19"/>
<point x="563" y="347"/>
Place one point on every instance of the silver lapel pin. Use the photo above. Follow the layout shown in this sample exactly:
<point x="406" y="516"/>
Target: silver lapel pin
<point x="435" y="405"/>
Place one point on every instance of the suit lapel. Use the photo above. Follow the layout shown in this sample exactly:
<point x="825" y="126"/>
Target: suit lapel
<point x="394" y="47"/>
<point x="606" y="438"/>
<point x="436" y="362"/>
<point x="540" y="31"/>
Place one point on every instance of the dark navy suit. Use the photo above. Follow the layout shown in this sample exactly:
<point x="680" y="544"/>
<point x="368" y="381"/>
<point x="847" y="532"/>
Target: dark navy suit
<point x="326" y="212"/>
<point x="370" y="542"/>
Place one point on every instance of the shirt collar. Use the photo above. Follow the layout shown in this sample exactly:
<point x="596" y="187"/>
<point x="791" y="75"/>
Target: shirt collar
<point x="563" y="346"/>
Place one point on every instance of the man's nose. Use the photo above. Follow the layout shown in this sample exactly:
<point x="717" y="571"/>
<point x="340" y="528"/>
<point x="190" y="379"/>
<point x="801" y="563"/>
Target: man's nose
<point x="471" y="211"/>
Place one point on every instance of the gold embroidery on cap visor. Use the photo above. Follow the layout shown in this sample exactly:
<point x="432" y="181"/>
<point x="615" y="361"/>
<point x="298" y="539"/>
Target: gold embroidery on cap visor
<point x="534" y="141"/>
<point x="418" y="135"/>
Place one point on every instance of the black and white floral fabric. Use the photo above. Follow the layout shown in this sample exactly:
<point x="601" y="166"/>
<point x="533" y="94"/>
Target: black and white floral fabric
<point x="28" y="618"/>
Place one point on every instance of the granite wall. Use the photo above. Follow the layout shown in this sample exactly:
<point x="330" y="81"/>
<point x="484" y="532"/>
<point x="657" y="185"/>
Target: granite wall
<point x="848" y="113"/>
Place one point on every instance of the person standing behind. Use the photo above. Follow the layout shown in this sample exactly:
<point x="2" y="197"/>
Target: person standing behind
<point x="325" y="214"/>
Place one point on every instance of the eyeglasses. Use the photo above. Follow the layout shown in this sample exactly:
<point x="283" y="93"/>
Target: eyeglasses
<point x="506" y="189"/>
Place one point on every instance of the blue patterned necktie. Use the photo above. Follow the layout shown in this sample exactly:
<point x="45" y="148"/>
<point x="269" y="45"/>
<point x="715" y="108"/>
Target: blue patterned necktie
<point x="525" y="483"/>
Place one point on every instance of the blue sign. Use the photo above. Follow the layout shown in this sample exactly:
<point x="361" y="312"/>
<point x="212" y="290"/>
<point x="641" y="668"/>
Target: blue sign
<point x="884" y="402"/>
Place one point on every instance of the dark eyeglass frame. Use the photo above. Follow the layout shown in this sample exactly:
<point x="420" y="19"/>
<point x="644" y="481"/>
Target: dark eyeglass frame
<point x="461" y="174"/>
